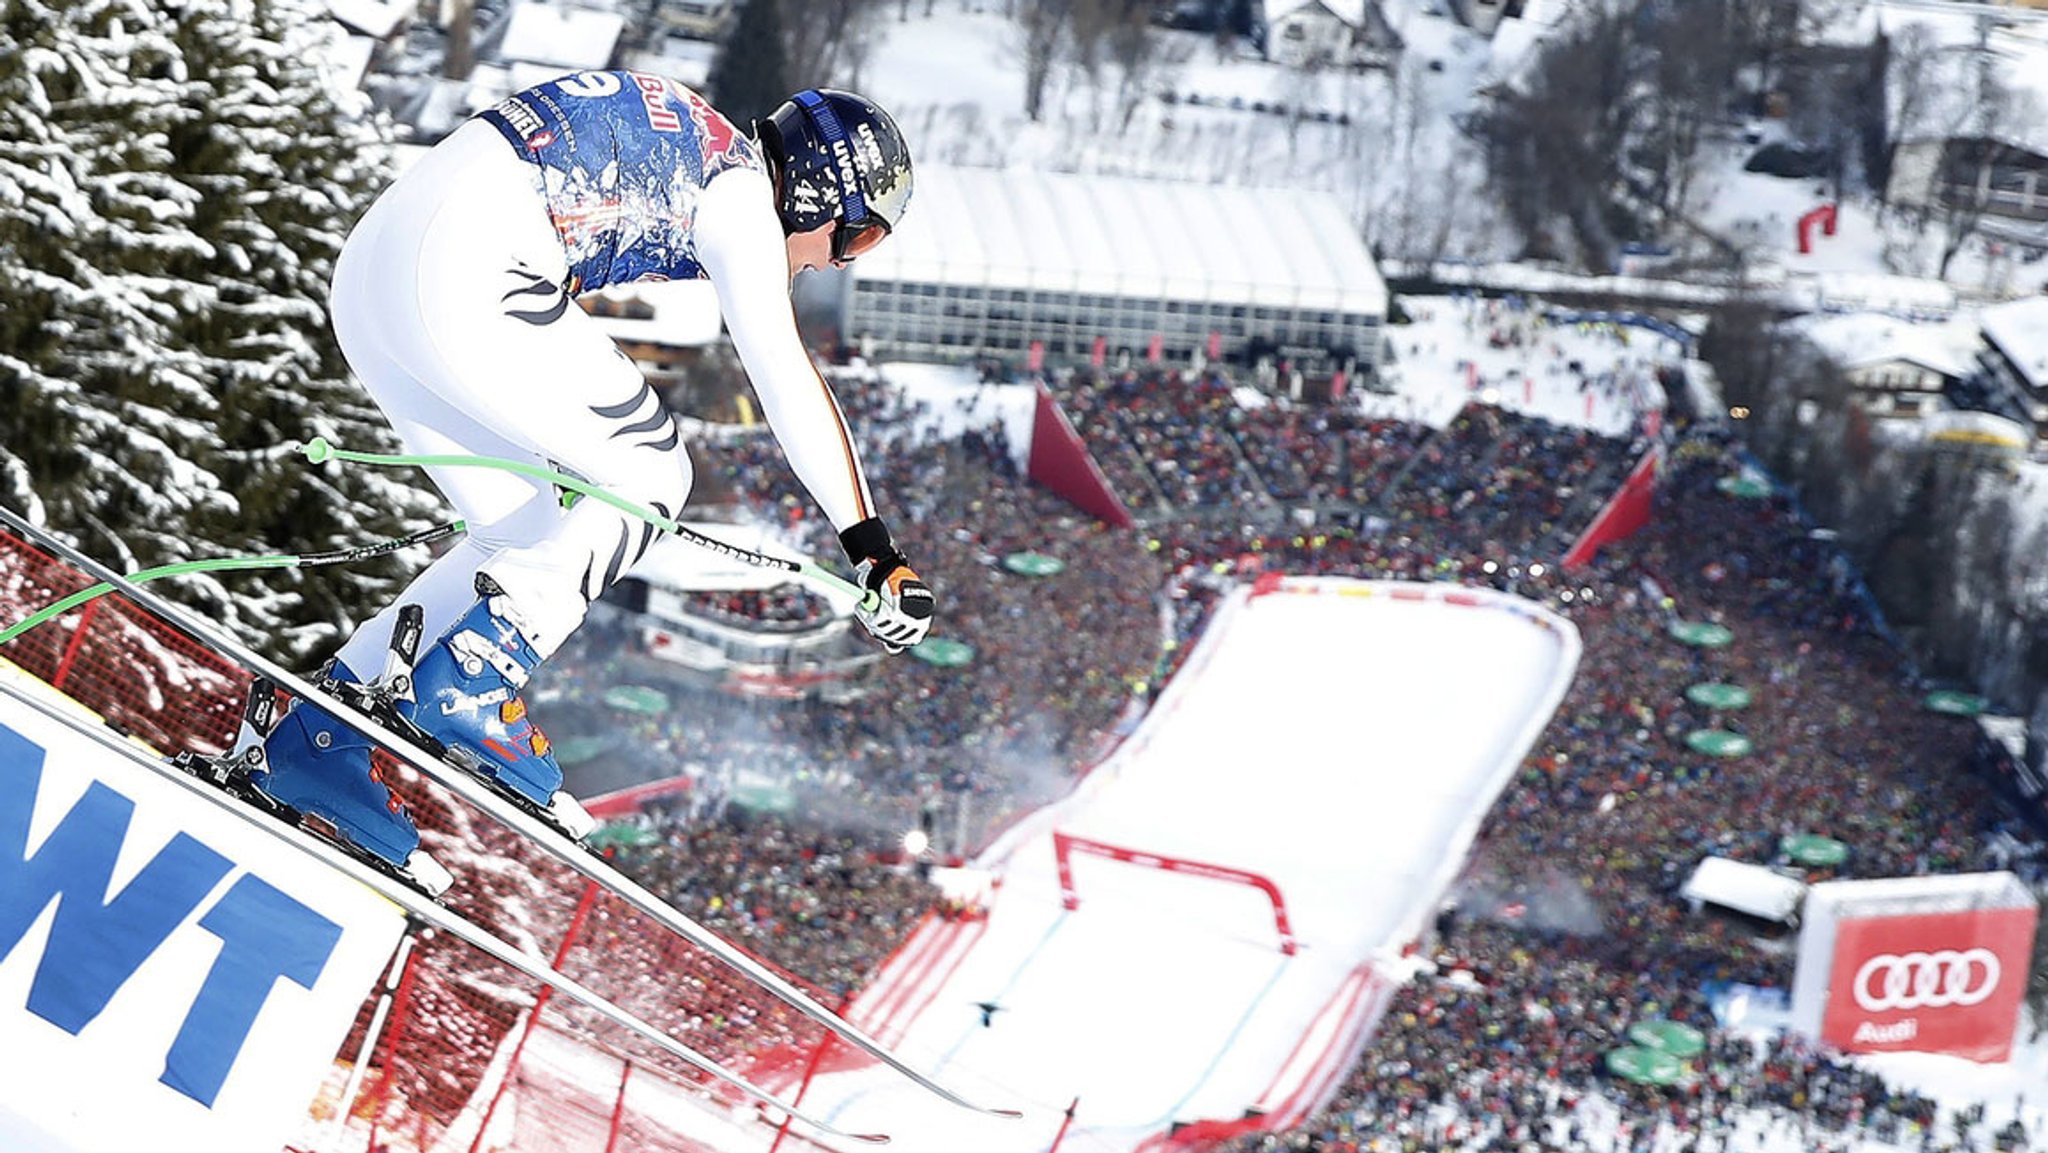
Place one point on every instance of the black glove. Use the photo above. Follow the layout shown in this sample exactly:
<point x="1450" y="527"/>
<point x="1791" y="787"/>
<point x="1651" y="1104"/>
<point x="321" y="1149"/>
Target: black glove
<point x="899" y="614"/>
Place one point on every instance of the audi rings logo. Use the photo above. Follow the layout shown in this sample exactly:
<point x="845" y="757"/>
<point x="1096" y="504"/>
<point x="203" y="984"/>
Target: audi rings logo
<point x="1891" y="981"/>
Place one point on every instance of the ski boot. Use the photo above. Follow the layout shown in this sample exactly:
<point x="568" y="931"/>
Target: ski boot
<point x="465" y="699"/>
<point x="319" y="768"/>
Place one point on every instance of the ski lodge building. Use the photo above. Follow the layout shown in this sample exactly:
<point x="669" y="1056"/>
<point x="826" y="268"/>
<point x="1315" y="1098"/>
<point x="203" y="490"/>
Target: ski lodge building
<point x="1090" y="267"/>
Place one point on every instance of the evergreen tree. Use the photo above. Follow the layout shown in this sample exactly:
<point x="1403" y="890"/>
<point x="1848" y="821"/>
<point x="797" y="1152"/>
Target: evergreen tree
<point x="175" y="180"/>
<point x="749" y="79"/>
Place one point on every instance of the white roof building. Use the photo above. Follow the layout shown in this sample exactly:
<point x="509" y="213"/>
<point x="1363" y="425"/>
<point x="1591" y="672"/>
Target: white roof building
<point x="1067" y="257"/>
<point x="378" y="19"/>
<point x="2018" y="329"/>
<point x="1351" y="12"/>
<point x="1895" y="367"/>
<point x="1751" y="889"/>
<point x="568" y="38"/>
<point x="1864" y="339"/>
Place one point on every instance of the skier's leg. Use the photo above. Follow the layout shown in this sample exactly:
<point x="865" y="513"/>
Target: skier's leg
<point x="463" y="334"/>
<point x="532" y="593"/>
<point x="471" y="345"/>
<point x="498" y="508"/>
<point x="312" y="761"/>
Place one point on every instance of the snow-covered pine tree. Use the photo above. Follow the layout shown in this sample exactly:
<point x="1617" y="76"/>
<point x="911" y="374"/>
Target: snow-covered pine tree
<point x="175" y="180"/>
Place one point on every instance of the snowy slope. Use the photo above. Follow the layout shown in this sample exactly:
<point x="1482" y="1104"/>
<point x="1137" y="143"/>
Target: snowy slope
<point x="1340" y="741"/>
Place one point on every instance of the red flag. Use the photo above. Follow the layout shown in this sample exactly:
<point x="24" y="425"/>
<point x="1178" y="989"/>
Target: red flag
<point x="1034" y="361"/>
<point x="1215" y="345"/>
<point x="1099" y="355"/>
<point x="1153" y="349"/>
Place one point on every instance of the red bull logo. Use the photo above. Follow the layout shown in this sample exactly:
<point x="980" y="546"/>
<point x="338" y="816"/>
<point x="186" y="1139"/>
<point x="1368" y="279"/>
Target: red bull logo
<point x="654" y="98"/>
<point x="715" y="129"/>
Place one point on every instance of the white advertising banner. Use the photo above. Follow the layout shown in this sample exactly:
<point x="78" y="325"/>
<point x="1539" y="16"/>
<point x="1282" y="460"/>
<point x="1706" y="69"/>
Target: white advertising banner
<point x="171" y="976"/>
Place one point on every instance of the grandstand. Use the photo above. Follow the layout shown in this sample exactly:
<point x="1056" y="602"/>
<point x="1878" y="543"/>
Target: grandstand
<point x="993" y="262"/>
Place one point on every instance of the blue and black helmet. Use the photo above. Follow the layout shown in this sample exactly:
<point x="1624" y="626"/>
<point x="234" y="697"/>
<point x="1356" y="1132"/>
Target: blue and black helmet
<point x="837" y="157"/>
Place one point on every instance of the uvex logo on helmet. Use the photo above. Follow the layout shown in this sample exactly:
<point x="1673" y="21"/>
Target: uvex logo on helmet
<point x="1938" y="980"/>
<point x="837" y="159"/>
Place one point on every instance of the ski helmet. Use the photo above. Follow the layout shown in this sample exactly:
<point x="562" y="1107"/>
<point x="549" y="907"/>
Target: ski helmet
<point x="837" y="157"/>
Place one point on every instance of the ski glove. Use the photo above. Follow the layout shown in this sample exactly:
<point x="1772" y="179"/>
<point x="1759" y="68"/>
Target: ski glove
<point x="902" y="612"/>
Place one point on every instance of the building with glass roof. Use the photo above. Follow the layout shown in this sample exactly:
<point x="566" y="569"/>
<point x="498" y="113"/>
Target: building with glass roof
<point x="988" y="261"/>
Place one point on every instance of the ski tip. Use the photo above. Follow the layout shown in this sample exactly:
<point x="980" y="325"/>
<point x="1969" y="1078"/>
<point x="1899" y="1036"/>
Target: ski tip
<point x="1008" y="1114"/>
<point x="317" y="450"/>
<point x="870" y="1138"/>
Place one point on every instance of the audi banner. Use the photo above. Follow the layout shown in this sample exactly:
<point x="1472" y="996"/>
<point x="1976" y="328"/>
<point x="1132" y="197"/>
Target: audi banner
<point x="1929" y="983"/>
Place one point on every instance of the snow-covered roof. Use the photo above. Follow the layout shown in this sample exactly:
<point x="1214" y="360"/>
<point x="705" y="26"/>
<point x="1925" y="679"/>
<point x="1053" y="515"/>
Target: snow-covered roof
<point x="1517" y="40"/>
<point x="1125" y="236"/>
<point x="568" y="37"/>
<point x="1859" y="339"/>
<point x="378" y="18"/>
<point x="1351" y="12"/>
<point x="1512" y="50"/>
<point x="1746" y="888"/>
<point x="685" y="314"/>
<point x="1949" y="106"/>
<point x="676" y="57"/>
<point x="1845" y="291"/>
<point x="343" y="61"/>
<point x="1854" y="25"/>
<point x="2019" y="329"/>
<point x="2010" y="732"/>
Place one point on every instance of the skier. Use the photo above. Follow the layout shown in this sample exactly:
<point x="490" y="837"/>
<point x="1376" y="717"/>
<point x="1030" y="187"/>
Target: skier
<point x="453" y="302"/>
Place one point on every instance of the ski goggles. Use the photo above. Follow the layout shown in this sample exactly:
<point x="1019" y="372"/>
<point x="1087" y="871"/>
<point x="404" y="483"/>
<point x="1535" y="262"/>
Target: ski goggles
<point x="851" y="240"/>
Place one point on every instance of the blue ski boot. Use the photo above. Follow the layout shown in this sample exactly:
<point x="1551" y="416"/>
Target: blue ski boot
<point x="465" y="693"/>
<point x="320" y="767"/>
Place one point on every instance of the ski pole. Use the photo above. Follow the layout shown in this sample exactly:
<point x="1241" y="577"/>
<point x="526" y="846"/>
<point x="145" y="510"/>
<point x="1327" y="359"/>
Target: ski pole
<point x="320" y="450"/>
<point x="230" y="564"/>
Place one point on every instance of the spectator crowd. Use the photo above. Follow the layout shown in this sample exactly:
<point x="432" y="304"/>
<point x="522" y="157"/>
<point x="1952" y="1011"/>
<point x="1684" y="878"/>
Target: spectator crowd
<point x="1566" y="926"/>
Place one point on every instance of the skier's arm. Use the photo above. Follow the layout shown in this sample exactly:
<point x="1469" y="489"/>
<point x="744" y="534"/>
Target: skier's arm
<point x="740" y="244"/>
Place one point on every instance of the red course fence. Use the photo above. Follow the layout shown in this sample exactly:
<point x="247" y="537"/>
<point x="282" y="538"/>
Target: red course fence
<point x="1065" y="845"/>
<point x="455" y="1062"/>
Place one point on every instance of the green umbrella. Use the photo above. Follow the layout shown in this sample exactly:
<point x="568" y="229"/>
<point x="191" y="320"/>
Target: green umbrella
<point x="1644" y="1066"/>
<point x="576" y="750"/>
<point x="637" y="699"/>
<point x="1718" y="743"/>
<point x="944" y="652"/>
<point x="621" y="834"/>
<point x="1719" y="696"/>
<point x="1814" y="850"/>
<point x="1675" y="1038"/>
<point x="1034" y="564"/>
<point x="1701" y="634"/>
<point x="763" y="796"/>
<point x="1748" y="486"/>
<point x="1954" y="703"/>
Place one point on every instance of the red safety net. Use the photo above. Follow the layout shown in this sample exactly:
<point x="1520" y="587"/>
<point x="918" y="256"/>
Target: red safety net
<point x="450" y="1066"/>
